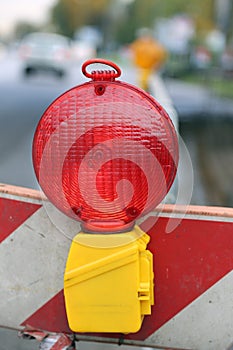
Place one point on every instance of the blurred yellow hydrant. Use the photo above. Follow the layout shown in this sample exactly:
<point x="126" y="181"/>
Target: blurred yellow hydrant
<point x="148" y="56"/>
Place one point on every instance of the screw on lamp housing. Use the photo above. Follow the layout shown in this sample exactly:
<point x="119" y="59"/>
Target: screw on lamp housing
<point x="105" y="153"/>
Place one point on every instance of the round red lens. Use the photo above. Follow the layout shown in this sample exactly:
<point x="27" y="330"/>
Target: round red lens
<point x="105" y="154"/>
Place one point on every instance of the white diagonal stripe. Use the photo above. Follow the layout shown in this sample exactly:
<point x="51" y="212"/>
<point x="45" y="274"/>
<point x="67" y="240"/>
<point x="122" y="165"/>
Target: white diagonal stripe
<point x="205" y="324"/>
<point x="32" y="263"/>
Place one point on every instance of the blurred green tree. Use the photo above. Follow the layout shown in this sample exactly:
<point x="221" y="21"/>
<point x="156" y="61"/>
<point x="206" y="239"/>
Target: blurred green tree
<point x="22" y="28"/>
<point x="144" y="13"/>
<point x="121" y="18"/>
<point x="69" y="15"/>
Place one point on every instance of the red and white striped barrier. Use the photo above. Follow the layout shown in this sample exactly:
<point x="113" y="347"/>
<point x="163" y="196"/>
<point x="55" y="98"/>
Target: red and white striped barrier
<point x="193" y="273"/>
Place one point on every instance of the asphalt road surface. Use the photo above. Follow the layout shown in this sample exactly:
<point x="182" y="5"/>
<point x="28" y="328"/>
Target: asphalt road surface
<point x="22" y="102"/>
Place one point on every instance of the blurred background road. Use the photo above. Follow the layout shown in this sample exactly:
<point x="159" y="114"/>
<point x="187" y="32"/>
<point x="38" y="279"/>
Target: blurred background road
<point x="205" y="124"/>
<point x="198" y="76"/>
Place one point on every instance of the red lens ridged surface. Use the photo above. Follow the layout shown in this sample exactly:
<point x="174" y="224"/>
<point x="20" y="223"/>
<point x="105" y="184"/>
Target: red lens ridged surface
<point x="105" y="159"/>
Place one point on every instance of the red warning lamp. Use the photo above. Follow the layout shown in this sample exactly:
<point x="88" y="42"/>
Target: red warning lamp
<point x="105" y="152"/>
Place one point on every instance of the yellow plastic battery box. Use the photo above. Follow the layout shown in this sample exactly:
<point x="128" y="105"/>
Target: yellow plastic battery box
<point x="108" y="282"/>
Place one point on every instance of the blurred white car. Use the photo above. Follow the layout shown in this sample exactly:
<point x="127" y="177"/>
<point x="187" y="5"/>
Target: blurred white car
<point x="45" y="52"/>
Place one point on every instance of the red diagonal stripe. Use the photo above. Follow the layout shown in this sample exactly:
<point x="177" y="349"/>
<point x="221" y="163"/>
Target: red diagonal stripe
<point x="187" y="262"/>
<point x="12" y="214"/>
<point x="51" y="316"/>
